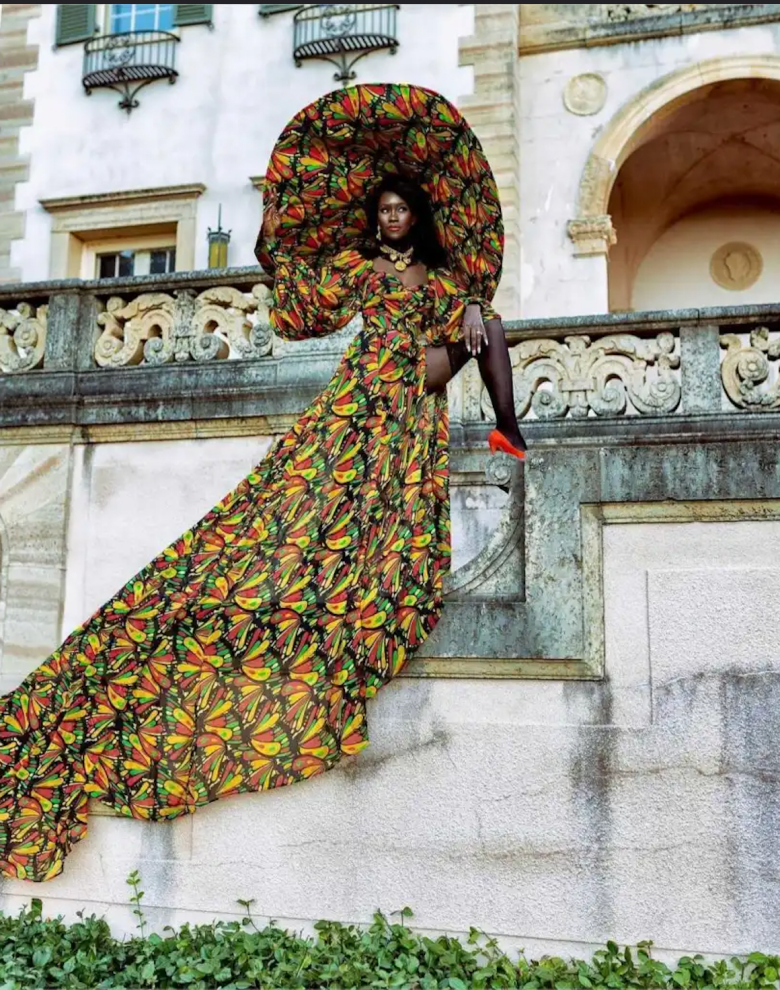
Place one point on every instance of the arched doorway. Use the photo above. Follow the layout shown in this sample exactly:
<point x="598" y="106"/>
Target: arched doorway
<point x="689" y="173"/>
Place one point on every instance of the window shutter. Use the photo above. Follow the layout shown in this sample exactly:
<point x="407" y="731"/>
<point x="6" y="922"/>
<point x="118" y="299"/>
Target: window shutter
<point x="266" y="9"/>
<point x="192" y="13"/>
<point x="75" y="22"/>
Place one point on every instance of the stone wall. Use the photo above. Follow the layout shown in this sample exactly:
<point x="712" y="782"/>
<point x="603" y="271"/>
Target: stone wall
<point x="584" y="112"/>
<point x="17" y="57"/>
<point x="493" y="110"/>
<point x="554" y="26"/>
<point x="585" y="749"/>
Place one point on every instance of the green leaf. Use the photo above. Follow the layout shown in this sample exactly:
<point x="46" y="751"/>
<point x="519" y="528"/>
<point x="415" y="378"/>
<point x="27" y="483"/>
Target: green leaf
<point x="42" y="957"/>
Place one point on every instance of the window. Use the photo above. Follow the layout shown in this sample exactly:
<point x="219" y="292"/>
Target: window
<point x="140" y="17"/>
<point x="140" y="221"/>
<point x="116" y="265"/>
<point x="163" y="261"/>
<point x="125" y="264"/>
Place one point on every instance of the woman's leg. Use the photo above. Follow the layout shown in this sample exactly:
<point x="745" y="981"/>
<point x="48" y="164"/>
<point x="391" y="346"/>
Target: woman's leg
<point x="495" y="367"/>
<point x="442" y="364"/>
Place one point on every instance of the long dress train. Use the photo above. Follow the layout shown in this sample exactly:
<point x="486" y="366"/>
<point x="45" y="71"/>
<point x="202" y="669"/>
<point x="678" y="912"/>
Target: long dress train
<point x="241" y="658"/>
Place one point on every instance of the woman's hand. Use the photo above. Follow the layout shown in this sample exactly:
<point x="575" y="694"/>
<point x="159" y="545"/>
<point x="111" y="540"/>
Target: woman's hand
<point x="474" y="332"/>
<point x="272" y="218"/>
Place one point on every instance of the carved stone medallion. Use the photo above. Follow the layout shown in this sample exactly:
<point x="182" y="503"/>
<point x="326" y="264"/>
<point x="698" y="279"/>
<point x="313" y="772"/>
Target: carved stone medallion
<point x="585" y="94"/>
<point x="736" y="266"/>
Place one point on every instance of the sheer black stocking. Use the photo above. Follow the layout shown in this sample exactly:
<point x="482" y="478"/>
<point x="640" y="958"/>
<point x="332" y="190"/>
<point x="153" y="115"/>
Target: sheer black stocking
<point x="495" y="367"/>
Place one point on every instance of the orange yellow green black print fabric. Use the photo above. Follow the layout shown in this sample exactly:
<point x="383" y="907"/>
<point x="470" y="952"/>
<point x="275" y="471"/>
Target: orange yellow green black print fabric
<point x="331" y="154"/>
<point x="242" y="657"/>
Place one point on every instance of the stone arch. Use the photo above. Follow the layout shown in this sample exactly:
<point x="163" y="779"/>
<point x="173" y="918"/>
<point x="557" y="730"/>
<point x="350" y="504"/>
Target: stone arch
<point x="634" y="124"/>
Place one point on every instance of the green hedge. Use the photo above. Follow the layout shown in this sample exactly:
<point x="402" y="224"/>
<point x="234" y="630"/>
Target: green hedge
<point x="39" y="952"/>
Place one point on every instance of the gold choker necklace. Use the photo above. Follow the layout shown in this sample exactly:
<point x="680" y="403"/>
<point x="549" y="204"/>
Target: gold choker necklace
<point x="400" y="259"/>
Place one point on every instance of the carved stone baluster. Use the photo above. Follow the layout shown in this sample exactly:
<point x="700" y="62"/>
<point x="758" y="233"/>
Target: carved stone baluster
<point x="157" y="328"/>
<point x="22" y="338"/>
<point x="577" y="376"/>
<point x="132" y="331"/>
<point x="746" y="370"/>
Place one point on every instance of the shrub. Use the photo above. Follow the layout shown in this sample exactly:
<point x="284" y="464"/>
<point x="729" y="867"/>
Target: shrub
<point x="39" y="952"/>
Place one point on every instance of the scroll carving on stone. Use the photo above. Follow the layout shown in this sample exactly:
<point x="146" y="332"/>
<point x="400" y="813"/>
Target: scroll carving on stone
<point x="577" y="376"/>
<point x="746" y="370"/>
<point x="22" y="338"/>
<point x="158" y="328"/>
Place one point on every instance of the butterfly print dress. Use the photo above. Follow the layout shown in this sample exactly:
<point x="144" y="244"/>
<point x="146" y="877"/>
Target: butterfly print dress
<point x="242" y="657"/>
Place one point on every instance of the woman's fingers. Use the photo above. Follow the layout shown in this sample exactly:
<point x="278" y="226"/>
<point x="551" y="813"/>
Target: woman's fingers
<point x="271" y="220"/>
<point x="475" y="336"/>
<point x="271" y="215"/>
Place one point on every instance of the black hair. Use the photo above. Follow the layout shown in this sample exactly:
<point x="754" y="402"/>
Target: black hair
<point x="427" y="248"/>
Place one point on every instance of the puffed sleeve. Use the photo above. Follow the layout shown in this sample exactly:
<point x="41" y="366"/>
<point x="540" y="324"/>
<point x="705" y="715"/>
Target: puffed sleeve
<point x="314" y="302"/>
<point x="450" y="300"/>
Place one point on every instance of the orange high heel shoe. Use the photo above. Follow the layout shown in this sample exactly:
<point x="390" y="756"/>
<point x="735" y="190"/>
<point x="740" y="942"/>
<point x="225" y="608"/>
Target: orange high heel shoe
<point x="497" y="441"/>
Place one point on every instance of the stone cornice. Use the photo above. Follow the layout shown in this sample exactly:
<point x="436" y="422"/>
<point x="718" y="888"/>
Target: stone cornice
<point x="539" y="38"/>
<point x="91" y="200"/>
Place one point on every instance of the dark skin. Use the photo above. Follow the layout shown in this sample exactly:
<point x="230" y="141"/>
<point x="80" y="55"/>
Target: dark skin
<point x="396" y="222"/>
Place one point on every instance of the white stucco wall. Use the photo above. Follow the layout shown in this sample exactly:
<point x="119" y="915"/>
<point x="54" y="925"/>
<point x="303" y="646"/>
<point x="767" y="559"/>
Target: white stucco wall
<point x="676" y="272"/>
<point x="237" y="88"/>
<point x="555" y="815"/>
<point x="555" y="145"/>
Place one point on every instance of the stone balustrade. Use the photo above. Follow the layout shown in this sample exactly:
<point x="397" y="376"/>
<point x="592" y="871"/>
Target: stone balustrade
<point x="199" y="345"/>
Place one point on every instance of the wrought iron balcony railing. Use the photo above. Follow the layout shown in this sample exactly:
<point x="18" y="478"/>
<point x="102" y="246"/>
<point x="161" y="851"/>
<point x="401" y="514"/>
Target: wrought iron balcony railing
<point x="344" y="33"/>
<point x="128" y="62"/>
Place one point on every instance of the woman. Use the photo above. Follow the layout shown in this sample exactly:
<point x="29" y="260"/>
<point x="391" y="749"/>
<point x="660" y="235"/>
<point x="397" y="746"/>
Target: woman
<point x="242" y="657"/>
<point x="405" y="249"/>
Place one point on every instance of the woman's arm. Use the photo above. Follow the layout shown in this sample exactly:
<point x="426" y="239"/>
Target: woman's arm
<point x="462" y="315"/>
<point x="308" y="302"/>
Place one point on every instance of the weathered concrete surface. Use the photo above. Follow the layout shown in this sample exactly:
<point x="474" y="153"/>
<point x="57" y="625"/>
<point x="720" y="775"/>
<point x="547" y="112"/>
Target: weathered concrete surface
<point x="643" y="806"/>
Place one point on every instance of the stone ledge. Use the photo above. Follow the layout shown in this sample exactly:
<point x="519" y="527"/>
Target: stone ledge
<point x="537" y="39"/>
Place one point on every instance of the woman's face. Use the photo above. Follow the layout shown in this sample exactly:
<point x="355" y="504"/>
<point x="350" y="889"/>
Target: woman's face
<point x="395" y="217"/>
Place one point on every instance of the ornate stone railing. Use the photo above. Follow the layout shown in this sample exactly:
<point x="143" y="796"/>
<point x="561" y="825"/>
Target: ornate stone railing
<point x="633" y="417"/>
<point x="751" y="369"/>
<point x="160" y="327"/>
<point x="610" y="375"/>
<point x="22" y="337"/>
<point x="193" y="345"/>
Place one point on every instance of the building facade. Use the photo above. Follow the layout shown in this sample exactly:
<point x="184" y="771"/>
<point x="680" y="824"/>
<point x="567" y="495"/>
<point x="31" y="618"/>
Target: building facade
<point x="586" y="749"/>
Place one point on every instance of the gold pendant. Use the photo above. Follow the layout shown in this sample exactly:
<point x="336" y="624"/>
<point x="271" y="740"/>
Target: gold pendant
<point x="401" y="266"/>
